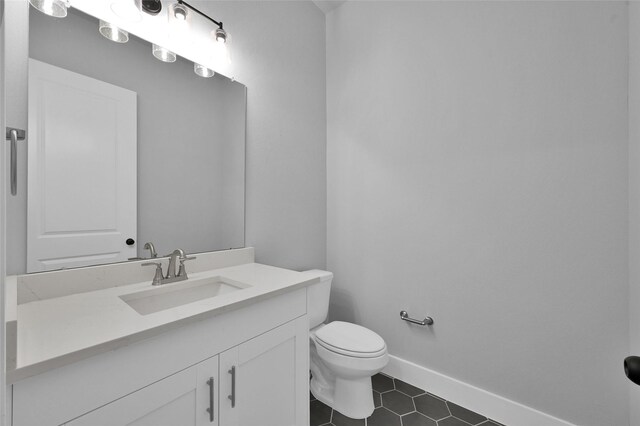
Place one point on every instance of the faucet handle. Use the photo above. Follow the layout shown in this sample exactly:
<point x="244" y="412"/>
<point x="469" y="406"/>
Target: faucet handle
<point x="158" y="277"/>
<point x="184" y="259"/>
<point x="182" y="271"/>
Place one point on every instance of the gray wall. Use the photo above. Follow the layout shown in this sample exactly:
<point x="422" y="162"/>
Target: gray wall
<point x="634" y="199"/>
<point x="278" y="51"/>
<point x="477" y="172"/>
<point x="190" y="136"/>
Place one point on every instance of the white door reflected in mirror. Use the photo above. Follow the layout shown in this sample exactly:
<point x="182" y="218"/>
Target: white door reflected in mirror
<point x="82" y="186"/>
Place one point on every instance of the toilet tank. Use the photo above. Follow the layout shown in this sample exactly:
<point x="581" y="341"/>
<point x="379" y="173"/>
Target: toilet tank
<point x="318" y="296"/>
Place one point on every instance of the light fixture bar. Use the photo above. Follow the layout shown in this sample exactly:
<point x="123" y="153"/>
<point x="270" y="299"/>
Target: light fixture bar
<point x="182" y="2"/>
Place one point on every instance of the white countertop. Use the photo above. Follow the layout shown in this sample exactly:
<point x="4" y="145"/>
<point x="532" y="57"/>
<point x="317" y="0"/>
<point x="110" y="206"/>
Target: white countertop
<point x="58" y="331"/>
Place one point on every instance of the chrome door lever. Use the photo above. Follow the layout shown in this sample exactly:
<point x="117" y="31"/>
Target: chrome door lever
<point x="14" y="135"/>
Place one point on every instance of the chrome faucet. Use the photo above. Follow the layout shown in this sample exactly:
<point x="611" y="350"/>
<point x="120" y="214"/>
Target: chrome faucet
<point x="172" y="276"/>
<point x="171" y="271"/>
<point x="152" y="250"/>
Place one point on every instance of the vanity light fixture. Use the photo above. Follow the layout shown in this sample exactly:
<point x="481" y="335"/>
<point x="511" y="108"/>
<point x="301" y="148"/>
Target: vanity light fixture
<point x="202" y="71"/>
<point x="220" y="33"/>
<point x="179" y="12"/>
<point x="163" y="54"/>
<point x="129" y="10"/>
<point x="55" y="8"/>
<point x="152" y="7"/>
<point x="113" y="33"/>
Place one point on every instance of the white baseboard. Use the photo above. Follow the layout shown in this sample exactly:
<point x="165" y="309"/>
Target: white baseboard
<point x="488" y="404"/>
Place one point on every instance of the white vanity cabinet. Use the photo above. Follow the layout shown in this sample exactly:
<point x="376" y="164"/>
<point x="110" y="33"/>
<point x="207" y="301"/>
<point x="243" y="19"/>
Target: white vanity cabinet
<point x="257" y="355"/>
<point x="252" y="384"/>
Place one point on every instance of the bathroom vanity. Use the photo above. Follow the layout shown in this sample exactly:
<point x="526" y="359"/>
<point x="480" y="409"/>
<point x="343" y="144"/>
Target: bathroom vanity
<point x="91" y="357"/>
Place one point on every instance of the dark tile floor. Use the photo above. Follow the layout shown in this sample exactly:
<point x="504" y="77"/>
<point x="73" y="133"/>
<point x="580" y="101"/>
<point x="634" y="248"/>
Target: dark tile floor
<point x="401" y="404"/>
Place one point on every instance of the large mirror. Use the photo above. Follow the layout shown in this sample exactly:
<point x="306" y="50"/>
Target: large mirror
<point x="123" y="149"/>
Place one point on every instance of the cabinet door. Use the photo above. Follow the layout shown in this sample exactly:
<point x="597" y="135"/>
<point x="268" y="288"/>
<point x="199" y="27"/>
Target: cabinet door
<point x="265" y="381"/>
<point x="184" y="399"/>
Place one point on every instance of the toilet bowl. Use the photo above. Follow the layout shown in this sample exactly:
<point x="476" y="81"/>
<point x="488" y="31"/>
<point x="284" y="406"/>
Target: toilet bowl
<point x="343" y="356"/>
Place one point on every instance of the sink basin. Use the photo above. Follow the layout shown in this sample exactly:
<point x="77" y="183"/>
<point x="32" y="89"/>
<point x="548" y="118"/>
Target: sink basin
<point x="170" y="296"/>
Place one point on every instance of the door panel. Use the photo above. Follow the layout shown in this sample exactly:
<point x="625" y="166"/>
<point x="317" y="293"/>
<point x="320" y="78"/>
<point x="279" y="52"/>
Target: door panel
<point x="181" y="399"/>
<point x="81" y="170"/>
<point x="271" y="386"/>
<point x="207" y="393"/>
<point x="275" y="388"/>
<point x="173" y="398"/>
<point x="177" y="412"/>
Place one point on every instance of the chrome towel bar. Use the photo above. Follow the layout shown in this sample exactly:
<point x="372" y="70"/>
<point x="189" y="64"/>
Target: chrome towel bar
<point x="405" y="317"/>
<point x="14" y="135"/>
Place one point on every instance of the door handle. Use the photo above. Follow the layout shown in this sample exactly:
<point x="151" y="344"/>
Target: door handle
<point x="210" y="409"/>
<point x="14" y="135"/>
<point x="232" y="397"/>
<point x="632" y="368"/>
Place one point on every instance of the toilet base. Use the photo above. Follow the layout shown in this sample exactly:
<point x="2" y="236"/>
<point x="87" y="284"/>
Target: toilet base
<point x="353" y="398"/>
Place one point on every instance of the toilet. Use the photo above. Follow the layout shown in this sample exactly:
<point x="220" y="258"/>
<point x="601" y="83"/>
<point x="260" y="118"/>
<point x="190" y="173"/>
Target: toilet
<point x="343" y="356"/>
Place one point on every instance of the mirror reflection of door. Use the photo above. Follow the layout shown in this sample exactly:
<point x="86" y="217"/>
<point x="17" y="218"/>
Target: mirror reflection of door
<point x="81" y="170"/>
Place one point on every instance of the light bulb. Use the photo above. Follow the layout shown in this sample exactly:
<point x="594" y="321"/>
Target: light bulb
<point x="113" y="33"/>
<point x="179" y="12"/>
<point x="202" y="71"/>
<point x="55" y="8"/>
<point x="163" y="54"/>
<point x="220" y="35"/>
<point x="129" y="10"/>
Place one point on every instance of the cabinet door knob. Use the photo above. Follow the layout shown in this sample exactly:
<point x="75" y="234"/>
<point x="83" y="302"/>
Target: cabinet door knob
<point x="130" y="241"/>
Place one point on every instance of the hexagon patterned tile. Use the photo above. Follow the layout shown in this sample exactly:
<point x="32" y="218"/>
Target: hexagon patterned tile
<point x="401" y="404"/>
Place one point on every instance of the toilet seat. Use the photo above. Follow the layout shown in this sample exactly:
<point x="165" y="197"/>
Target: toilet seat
<point x="351" y="340"/>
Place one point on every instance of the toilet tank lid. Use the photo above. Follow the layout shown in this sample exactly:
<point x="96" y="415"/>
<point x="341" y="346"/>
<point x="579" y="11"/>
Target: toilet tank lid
<point x="317" y="273"/>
